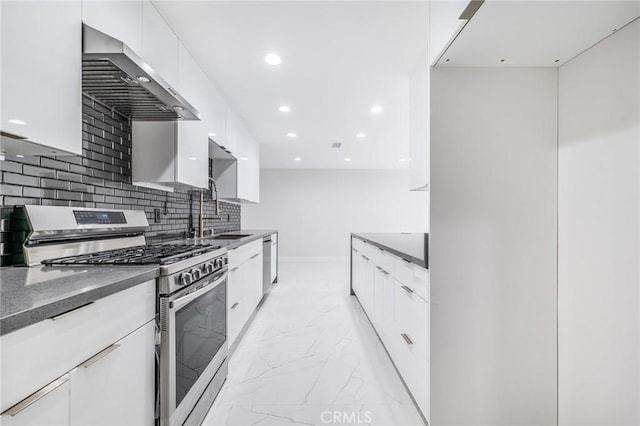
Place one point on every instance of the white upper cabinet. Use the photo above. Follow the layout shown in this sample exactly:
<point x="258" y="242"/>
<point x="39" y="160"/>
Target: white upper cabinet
<point x="119" y="19"/>
<point x="40" y="88"/>
<point x="218" y="121"/>
<point x="247" y="151"/>
<point x="234" y="131"/>
<point x="419" y="132"/>
<point x="159" y="44"/>
<point x="192" y="150"/>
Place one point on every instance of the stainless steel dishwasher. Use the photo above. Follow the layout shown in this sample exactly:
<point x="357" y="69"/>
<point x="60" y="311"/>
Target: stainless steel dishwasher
<point x="266" y="264"/>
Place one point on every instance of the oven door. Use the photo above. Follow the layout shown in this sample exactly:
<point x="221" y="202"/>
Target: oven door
<point x="193" y="345"/>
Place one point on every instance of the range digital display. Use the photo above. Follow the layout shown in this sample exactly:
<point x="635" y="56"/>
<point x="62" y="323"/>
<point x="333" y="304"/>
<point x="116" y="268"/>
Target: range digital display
<point x="84" y="217"/>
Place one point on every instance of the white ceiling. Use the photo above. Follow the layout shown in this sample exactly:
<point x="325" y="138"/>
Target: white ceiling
<point x="536" y="33"/>
<point x="338" y="59"/>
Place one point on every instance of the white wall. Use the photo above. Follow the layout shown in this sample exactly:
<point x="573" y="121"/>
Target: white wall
<point x="599" y="234"/>
<point x="493" y="246"/>
<point x="315" y="210"/>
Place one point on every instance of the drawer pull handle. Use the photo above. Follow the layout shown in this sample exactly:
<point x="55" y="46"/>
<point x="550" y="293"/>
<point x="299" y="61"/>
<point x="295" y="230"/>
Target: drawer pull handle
<point x="407" y="338"/>
<point x="254" y="256"/>
<point x="407" y="289"/>
<point x="233" y="269"/>
<point x="16" y="409"/>
<point x="97" y="357"/>
<point x="70" y="311"/>
<point x="365" y="257"/>
<point x="382" y="270"/>
<point x="407" y="260"/>
<point x="235" y="305"/>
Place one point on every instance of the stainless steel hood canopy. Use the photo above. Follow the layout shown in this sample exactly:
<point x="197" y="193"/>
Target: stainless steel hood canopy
<point x="116" y="76"/>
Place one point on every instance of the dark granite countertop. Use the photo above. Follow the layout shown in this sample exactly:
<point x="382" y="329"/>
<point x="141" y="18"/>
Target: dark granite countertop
<point x="410" y="246"/>
<point x="31" y="294"/>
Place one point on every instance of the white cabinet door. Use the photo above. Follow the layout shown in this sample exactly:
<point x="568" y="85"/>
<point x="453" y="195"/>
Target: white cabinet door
<point x="248" y="167"/>
<point x="217" y="127"/>
<point x="376" y="315"/>
<point x="40" y="86"/>
<point x="235" y="303"/>
<point x="159" y="44"/>
<point x="274" y="259"/>
<point x="116" y="386"/>
<point x="233" y="131"/>
<point x="388" y="310"/>
<point x="52" y="409"/>
<point x="355" y="272"/>
<point x="367" y="284"/>
<point x="247" y="150"/>
<point x="119" y="19"/>
<point x="419" y="132"/>
<point x="192" y="150"/>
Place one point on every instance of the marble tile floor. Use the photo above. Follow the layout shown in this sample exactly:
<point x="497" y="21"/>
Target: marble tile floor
<point x="310" y="357"/>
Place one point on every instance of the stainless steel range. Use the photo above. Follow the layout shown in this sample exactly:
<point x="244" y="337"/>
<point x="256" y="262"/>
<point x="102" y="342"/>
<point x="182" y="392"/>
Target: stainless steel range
<point x="192" y="295"/>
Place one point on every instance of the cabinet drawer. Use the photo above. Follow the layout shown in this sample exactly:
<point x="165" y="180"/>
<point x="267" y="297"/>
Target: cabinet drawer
<point x="241" y="254"/>
<point x="36" y="355"/>
<point x="413" y="276"/>
<point x="412" y="319"/>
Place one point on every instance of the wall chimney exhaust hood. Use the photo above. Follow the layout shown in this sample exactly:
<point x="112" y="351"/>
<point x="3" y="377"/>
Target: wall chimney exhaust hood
<point x="116" y="76"/>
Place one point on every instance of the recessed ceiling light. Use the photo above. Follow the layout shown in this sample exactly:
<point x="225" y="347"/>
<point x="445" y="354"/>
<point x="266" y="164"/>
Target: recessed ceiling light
<point x="19" y="155"/>
<point x="347" y="159"/>
<point x="143" y="79"/>
<point x="361" y="135"/>
<point x="376" y="109"/>
<point x="211" y="134"/>
<point x="273" y="59"/>
<point x="192" y="158"/>
<point x="297" y="159"/>
<point x="243" y="158"/>
<point x="18" y="122"/>
<point x="284" y="108"/>
<point x="291" y="135"/>
<point x="402" y="160"/>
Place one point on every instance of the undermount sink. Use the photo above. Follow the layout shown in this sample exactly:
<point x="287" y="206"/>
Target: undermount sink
<point x="231" y="236"/>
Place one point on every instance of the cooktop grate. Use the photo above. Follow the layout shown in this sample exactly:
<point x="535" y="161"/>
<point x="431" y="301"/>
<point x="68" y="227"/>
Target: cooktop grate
<point x="150" y="254"/>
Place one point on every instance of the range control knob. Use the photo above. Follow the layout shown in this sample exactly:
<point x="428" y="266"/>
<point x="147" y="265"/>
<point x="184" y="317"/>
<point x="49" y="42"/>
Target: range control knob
<point x="196" y="274"/>
<point x="185" y="278"/>
<point x="207" y="268"/>
<point x="218" y="263"/>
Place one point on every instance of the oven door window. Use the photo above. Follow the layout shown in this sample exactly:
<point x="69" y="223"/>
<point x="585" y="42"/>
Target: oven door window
<point x="201" y="328"/>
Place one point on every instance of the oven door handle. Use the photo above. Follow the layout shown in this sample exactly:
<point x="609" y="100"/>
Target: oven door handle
<point x="180" y="302"/>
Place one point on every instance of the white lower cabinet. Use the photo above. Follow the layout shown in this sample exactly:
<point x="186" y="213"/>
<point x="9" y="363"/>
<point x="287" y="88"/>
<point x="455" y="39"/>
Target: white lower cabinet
<point x="274" y="257"/>
<point x="398" y="310"/>
<point x="244" y="286"/>
<point x="93" y="365"/>
<point x="116" y="386"/>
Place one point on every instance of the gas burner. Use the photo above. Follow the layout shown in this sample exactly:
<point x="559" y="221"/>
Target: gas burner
<point x="150" y="254"/>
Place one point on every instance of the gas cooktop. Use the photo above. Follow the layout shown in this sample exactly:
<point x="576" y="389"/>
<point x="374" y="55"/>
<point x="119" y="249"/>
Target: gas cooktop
<point x="149" y="254"/>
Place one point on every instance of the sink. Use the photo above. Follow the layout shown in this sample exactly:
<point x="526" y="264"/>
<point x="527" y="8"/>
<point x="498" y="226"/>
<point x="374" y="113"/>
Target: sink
<point x="231" y="236"/>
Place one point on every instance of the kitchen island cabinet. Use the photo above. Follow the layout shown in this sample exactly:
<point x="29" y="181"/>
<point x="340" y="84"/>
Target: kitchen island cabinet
<point x="389" y="279"/>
